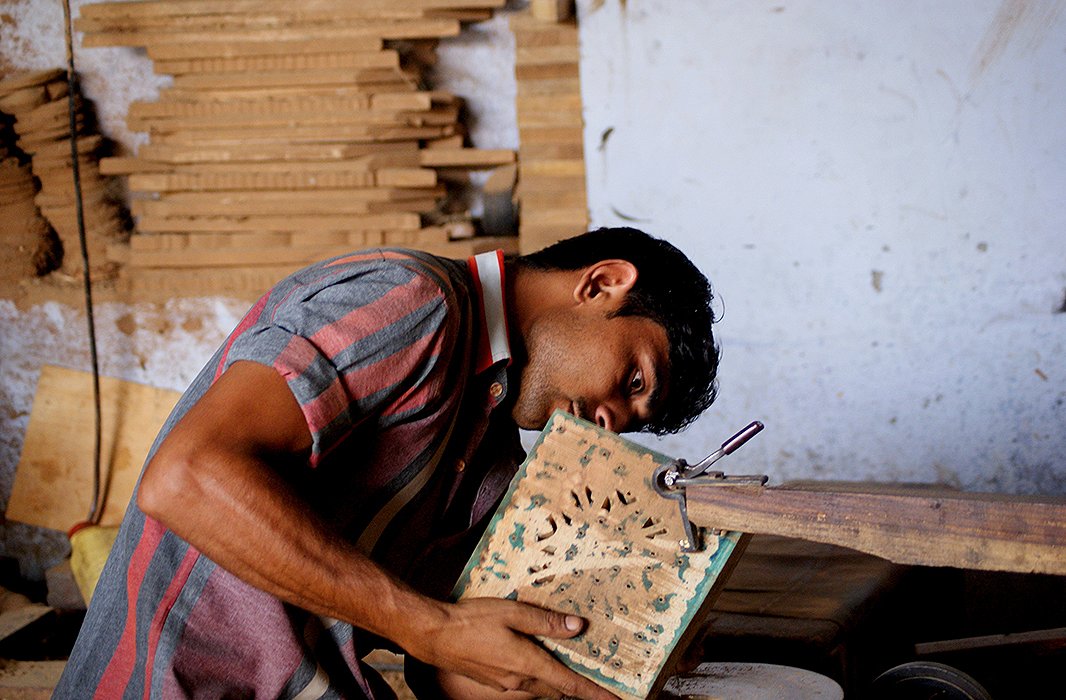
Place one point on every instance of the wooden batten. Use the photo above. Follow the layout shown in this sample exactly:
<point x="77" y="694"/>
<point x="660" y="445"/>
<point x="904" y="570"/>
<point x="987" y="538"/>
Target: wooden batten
<point x="234" y="49"/>
<point x="465" y="157"/>
<point x="167" y="8"/>
<point x="399" y="29"/>
<point x="435" y="117"/>
<point x="292" y="131"/>
<point x="219" y="223"/>
<point x="254" y="153"/>
<point x="289" y="62"/>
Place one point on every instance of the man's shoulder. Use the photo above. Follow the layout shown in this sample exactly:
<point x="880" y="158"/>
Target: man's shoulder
<point x="389" y="266"/>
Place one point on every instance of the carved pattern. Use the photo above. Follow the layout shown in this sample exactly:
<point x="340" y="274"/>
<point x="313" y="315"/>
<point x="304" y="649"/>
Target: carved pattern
<point x="581" y="530"/>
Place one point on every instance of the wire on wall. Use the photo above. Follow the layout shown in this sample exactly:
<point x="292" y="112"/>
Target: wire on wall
<point x="95" y="509"/>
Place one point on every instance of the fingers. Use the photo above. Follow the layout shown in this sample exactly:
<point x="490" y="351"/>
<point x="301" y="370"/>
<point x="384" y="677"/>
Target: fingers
<point x="533" y="620"/>
<point x="498" y="652"/>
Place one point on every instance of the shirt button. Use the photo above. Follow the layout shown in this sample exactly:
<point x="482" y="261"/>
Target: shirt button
<point x="496" y="390"/>
<point x="460" y="466"/>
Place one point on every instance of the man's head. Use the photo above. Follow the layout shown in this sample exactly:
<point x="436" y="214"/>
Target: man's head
<point x="640" y="324"/>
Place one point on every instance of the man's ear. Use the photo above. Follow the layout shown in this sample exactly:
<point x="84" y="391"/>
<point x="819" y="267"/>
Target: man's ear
<point x="607" y="281"/>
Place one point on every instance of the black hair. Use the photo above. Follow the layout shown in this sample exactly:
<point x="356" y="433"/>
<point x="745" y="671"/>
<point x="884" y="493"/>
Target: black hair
<point x="669" y="290"/>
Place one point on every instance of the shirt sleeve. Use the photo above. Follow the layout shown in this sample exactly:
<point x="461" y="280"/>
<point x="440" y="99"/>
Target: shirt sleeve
<point x="367" y="347"/>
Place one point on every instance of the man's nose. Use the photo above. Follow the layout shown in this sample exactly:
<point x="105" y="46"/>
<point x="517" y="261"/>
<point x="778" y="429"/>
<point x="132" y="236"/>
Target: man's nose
<point x="607" y="418"/>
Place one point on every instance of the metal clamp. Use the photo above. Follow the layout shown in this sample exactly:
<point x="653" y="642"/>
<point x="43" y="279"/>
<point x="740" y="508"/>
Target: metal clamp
<point x="671" y="480"/>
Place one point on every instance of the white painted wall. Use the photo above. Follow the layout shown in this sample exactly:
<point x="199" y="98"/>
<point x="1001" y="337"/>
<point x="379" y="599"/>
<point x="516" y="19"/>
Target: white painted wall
<point x="875" y="188"/>
<point x="878" y="191"/>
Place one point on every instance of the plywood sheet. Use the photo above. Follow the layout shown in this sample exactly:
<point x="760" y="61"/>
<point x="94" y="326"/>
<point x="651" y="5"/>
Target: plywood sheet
<point x="53" y="484"/>
<point x="581" y="530"/>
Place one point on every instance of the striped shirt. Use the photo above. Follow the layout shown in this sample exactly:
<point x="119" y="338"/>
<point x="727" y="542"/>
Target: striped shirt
<point x="398" y="360"/>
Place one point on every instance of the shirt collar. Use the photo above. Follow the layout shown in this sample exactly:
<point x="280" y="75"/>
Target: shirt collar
<point x="493" y="344"/>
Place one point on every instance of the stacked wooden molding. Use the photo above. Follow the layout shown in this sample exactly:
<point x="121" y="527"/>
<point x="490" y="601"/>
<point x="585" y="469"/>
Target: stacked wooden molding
<point x="293" y="131"/>
<point x="24" y="235"/>
<point x="551" y="160"/>
<point x="38" y="101"/>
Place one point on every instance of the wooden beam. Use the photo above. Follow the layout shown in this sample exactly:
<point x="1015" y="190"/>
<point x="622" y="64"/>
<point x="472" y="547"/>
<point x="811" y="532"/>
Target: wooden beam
<point x="302" y="61"/>
<point x="465" y="157"/>
<point x="970" y="531"/>
<point x="399" y="29"/>
<point x="249" y="153"/>
<point x="286" y="222"/>
<point x="166" y="8"/>
<point x="233" y="49"/>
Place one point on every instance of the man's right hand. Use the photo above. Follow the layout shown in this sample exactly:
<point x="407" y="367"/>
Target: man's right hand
<point x="488" y="641"/>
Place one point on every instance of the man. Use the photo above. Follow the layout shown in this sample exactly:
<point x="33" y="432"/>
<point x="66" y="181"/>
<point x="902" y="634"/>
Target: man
<point x="320" y="485"/>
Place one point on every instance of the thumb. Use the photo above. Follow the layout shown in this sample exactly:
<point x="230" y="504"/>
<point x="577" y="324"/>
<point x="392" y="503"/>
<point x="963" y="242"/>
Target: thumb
<point x="547" y="623"/>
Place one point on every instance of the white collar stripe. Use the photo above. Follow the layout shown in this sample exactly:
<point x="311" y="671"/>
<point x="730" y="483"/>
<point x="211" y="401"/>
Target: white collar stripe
<point x="490" y="274"/>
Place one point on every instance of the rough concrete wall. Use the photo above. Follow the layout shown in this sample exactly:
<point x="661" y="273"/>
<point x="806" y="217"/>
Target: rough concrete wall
<point x="876" y="189"/>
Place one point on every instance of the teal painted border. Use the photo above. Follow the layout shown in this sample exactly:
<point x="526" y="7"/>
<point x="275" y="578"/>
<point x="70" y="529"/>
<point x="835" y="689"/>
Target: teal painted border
<point x="726" y="545"/>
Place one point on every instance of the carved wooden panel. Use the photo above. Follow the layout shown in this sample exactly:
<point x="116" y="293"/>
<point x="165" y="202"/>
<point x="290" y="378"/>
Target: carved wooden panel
<point x="581" y="530"/>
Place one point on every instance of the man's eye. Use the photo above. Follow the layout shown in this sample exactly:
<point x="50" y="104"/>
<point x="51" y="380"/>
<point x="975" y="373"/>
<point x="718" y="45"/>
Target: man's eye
<point x="636" y="383"/>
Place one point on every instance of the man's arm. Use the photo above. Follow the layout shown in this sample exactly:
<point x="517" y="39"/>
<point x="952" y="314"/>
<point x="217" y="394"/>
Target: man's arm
<point x="212" y="482"/>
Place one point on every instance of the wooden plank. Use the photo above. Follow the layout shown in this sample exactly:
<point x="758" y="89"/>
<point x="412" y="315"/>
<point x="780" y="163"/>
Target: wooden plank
<point x="323" y="222"/>
<point x="581" y="531"/>
<point x="537" y="88"/>
<point x="284" y="62"/>
<point x="287" y="78"/>
<point x="575" y="218"/>
<point x="18" y="614"/>
<point x="250" y="153"/>
<point x="405" y="177"/>
<point x="363" y="163"/>
<point x="284" y="255"/>
<point x="399" y="29"/>
<point x="465" y="157"/>
<point x="246" y="283"/>
<point x="548" y="183"/>
<point x="400" y="85"/>
<point x="299" y="201"/>
<point x="283" y="205"/>
<point x="535" y="151"/>
<point x="551" y="134"/>
<point x="551" y="10"/>
<point x="970" y="531"/>
<point x="549" y="71"/>
<point x="234" y="240"/>
<point x="53" y="484"/>
<point x="179" y="182"/>
<point x="529" y="119"/>
<point x="565" y="54"/>
<point x="571" y="199"/>
<point x="1049" y="639"/>
<point x="554" y="167"/>
<point x="532" y="33"/>
<point x="435" y="117"/>
<point x="556" y="102"/>
<point x="29" y="680"/>
<point x="459" y="14"/>
<point x="126" y="165"/>
<point x="359" y="133"/>
<point x="166" y="8"/>
<point x="236" y="21"/>
<point x="232" y="49"/>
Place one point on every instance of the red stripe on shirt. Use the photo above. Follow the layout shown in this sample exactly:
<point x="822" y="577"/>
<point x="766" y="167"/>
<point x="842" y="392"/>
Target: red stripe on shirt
<point x="247" y="322"/>
<point x="117" y="675"/>
<point x="373" y="317"/>
<point x="161" y="612"/>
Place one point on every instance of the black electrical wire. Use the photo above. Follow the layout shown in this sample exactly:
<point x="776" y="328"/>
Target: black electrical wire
<point x="95" y="511"/>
